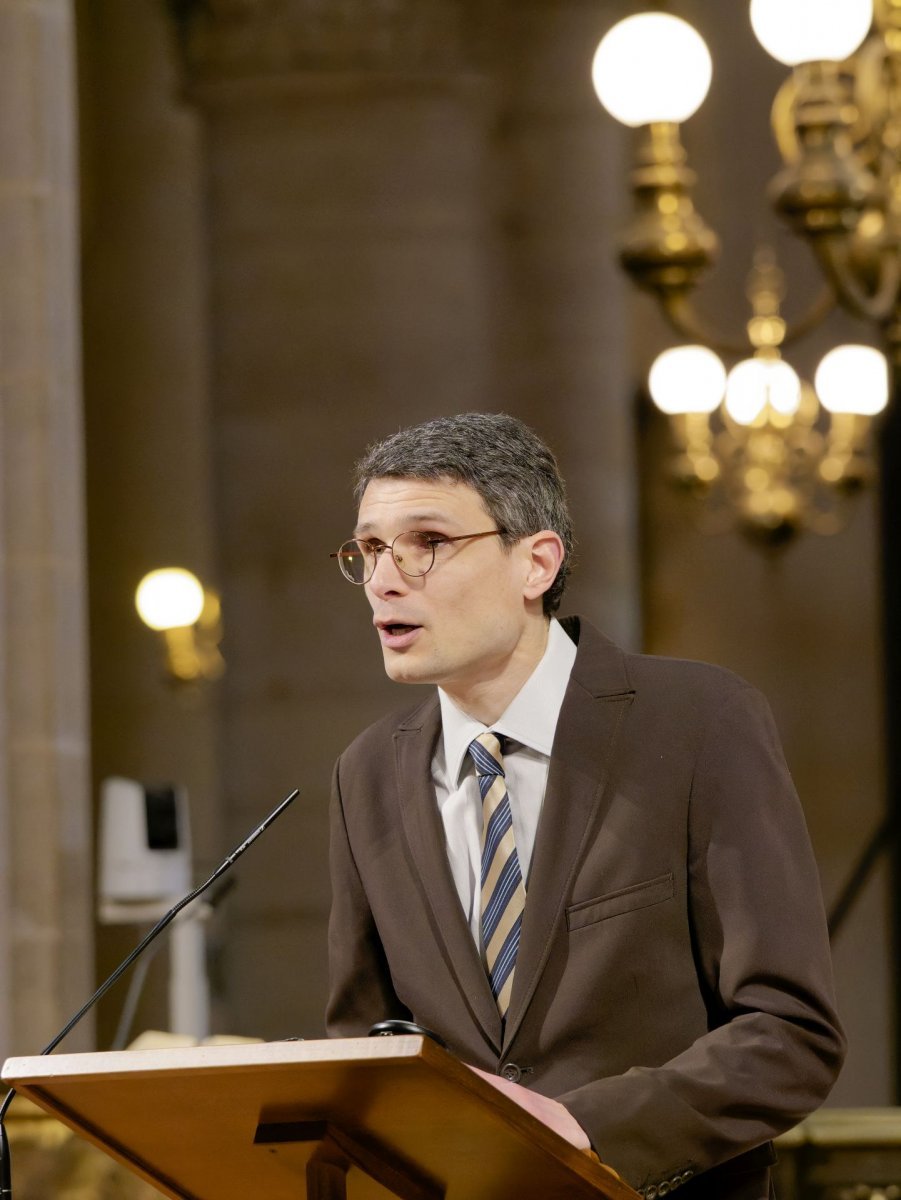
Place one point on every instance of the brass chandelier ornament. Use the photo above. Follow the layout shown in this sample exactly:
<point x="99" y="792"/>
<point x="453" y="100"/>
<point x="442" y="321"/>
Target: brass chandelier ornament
<point x="766" y="449"/>
<point x="774" y="453"/>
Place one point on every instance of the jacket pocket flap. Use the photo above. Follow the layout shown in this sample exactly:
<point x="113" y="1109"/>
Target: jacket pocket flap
<point x="639" y="895"/>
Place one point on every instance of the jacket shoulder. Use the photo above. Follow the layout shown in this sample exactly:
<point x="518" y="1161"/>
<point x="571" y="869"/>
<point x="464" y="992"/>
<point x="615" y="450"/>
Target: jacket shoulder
<point x="601" y="665"/>
<point x="700" y="680"/>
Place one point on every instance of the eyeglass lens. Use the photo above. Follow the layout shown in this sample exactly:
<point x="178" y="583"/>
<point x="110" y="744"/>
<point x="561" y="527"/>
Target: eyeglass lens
<point x="413" y="553"/>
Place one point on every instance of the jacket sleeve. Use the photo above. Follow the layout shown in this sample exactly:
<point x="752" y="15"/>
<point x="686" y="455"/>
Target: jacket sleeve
<point x="774" y="1045"/>
<point x="360" y="988"/>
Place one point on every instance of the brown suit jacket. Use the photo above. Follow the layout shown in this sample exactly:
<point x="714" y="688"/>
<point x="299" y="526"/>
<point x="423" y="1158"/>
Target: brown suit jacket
<point x="673" y="987"/>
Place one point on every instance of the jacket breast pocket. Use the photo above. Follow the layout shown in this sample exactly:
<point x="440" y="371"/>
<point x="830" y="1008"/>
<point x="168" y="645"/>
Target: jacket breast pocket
<point x="614" y="904"/>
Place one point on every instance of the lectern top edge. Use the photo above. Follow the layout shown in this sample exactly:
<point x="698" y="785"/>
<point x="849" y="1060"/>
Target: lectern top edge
<point x="26" y="1069"/>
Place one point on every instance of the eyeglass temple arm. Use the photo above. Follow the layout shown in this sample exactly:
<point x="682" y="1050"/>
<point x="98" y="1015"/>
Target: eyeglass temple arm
<point x="437" y="542"/>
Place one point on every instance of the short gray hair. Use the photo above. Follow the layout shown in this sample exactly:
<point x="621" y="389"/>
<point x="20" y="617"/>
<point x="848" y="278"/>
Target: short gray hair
<point x="505" y="461"/>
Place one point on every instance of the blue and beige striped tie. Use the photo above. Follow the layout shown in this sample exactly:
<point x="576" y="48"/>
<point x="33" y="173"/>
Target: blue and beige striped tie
<point x="503" y="890"/>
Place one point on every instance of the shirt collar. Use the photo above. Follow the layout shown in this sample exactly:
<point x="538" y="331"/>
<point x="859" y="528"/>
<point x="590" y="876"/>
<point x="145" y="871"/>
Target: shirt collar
<point x="531" y="716"/>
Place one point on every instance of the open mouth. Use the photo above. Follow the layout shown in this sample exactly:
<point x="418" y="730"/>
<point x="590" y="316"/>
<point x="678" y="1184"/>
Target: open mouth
<point x="397" y="635"/>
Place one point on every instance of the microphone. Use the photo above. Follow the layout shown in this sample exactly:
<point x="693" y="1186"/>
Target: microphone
<point x="397" y="1029"/>
<point x="225" y="865"/>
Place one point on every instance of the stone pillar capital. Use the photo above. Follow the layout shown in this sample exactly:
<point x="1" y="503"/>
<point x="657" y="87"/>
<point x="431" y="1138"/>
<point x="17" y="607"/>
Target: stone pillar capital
<point x="241" y="40"/>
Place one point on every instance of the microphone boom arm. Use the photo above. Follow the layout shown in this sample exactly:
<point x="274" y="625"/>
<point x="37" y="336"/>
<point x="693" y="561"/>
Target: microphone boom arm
<point x="126" y="963"/>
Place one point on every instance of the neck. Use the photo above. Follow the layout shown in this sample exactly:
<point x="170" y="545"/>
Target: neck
<point x="489" y="696"/>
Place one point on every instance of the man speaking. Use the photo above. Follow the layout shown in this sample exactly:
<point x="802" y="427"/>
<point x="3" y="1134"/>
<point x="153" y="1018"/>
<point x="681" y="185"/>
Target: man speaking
<point x="587" y="870"/>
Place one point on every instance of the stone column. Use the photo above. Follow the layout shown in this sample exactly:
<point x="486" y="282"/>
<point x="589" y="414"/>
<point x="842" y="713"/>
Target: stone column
<point x="45" y="907"/>
<point x="564" y="361"/>
<point x="147" y="427"/>
<point x="349" y="283"/>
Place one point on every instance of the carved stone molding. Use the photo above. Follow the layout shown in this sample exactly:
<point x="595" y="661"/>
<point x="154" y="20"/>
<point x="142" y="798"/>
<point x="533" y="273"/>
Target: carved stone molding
<point x="842" y="1154"/>
<point x="230" y="40"/>
<point x="864" y="1191"/>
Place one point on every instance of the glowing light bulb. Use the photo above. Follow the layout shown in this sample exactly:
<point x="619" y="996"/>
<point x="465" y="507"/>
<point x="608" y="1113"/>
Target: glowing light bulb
<point x="853" y="379"/>
<point x="756" y="382"/>
<point x="687" y="379"/>
<point x="797" y="31"/>
<point x="169" y="598"/>
<point x="652" y="67"/>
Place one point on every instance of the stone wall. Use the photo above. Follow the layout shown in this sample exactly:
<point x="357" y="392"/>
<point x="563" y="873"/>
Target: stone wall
<point x="318" y="222"/>
<point x="45" y="853"/>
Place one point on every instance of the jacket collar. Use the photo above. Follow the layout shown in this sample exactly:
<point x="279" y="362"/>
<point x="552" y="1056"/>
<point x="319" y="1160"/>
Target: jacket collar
<point x="414" y="743"/>
<point x="596" y="702"/>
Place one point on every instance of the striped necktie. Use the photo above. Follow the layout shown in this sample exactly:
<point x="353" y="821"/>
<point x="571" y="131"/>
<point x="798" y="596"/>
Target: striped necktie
<point x="503" y="892"/>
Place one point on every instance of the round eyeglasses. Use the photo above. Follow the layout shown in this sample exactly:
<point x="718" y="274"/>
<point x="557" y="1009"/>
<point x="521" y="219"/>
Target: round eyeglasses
<point x="413" y="553"/>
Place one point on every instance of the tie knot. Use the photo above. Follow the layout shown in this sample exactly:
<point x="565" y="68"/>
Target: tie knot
<point x="486" y="752"/>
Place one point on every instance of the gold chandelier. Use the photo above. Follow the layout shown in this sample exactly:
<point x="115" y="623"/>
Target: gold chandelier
<point x="774" y="452"/>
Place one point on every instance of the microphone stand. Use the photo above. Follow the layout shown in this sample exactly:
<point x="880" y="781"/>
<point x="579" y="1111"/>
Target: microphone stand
<point x="167" y="919"/>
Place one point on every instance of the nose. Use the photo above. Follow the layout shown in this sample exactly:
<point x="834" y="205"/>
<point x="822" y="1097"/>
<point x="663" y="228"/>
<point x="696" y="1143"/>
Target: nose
<point x="387" y="579"/>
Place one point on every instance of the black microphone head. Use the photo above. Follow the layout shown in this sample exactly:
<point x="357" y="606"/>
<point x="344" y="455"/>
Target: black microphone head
<point x="393" y="1028"/>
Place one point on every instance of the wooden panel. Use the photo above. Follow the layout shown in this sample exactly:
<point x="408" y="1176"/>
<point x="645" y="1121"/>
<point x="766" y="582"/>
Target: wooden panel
<point x="185" y="1119"/>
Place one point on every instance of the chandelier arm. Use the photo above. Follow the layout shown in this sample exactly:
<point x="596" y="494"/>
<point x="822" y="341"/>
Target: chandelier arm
<point x="687" y="322"/>
<point x="684" y="318"/>
<point x="871" y="306"/>
<point x="819" y="310"/>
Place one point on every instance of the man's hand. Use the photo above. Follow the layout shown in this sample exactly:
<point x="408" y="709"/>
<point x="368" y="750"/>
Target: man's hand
<point x="550" y="1112"/>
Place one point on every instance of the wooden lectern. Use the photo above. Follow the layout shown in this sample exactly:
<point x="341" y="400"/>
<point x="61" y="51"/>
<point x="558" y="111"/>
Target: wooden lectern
<point x="362" y="1118"/>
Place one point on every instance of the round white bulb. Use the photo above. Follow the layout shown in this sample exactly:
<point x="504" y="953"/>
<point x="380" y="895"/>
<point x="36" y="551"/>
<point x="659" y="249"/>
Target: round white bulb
<point x="169" y="598"/>
<point x="652" y="67"/>
<point x="853" y="379"/>
<point x="798" y="31"/>
<point x="756" y="382"/>
<point x="687" y="379"/>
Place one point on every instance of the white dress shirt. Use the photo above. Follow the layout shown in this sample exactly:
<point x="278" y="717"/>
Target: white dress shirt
<point x="529" y="722"/>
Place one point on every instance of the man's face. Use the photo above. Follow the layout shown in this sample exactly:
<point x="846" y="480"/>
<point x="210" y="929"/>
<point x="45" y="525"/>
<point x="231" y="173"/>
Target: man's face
<point x="463" y="623"/>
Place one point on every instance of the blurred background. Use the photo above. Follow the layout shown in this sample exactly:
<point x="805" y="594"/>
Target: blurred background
<point x="241" y="239"/>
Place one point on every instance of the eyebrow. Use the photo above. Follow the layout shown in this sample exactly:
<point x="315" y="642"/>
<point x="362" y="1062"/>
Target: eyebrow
<point x="413" y="521"/>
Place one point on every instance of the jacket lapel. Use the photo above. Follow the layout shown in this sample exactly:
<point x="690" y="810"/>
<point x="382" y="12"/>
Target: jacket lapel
<point x="414" y="744"/>
<point x="598" y="696"/>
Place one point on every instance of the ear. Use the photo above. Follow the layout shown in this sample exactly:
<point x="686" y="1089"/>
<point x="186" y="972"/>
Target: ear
<point x="545" y="554"/>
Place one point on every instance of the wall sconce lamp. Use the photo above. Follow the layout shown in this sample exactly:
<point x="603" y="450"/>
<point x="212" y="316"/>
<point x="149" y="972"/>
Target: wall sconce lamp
<point x="174" y="603"/>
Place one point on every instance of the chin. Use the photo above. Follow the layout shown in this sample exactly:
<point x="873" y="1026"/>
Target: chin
<point x="404" y="668"/>
<point x="402" y="671"/>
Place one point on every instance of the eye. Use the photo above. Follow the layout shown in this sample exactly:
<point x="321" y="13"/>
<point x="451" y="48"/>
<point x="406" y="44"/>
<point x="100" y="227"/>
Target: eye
<point x="426" y="540"/>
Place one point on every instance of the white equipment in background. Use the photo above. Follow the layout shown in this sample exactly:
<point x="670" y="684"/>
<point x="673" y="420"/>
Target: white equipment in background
<point x="144" y="870"/>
